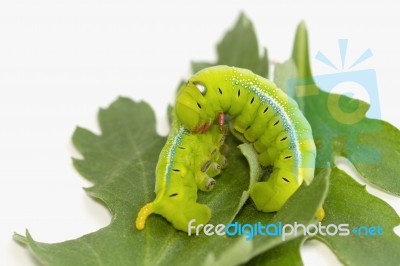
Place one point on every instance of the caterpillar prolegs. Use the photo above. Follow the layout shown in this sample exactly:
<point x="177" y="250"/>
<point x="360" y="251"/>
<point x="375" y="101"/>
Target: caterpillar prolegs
<point x="262" y="115"/>
<point x="187" y="162"/>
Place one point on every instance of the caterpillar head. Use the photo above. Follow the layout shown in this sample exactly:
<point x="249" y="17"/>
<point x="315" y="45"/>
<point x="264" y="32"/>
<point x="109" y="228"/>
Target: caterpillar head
<point x="191" y="107"/>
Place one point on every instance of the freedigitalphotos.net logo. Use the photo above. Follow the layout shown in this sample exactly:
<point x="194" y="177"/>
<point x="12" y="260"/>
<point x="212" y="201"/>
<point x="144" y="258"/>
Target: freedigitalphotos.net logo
<point x="281" y="230"/>
<point x="337" y="107"/>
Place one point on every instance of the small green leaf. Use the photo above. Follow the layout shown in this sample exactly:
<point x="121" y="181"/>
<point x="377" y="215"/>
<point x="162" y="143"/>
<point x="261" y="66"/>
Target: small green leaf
<point x="256" y="171"/>
<point x="251" y="156"/>
<point x="239" y="48"/>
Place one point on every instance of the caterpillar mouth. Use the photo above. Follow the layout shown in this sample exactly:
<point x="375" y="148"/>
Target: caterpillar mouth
<point x="203" y="128"/>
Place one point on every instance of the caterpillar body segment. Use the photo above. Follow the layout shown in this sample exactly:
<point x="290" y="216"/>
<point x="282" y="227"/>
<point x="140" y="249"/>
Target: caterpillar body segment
<point x="187" y="162"/>
<point x="263" y="115"/>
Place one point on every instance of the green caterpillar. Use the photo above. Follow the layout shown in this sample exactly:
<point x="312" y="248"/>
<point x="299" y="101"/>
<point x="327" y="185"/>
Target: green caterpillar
<point x="262" y="115"/>
<point x="186" y="163"/>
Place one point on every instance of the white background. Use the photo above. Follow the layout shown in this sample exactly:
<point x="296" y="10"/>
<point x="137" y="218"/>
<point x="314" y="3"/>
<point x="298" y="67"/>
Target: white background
<point x="62" y="60"/>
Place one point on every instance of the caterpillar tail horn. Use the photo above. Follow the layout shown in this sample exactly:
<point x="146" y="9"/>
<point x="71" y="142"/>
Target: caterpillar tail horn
<point x="144" y="212"/>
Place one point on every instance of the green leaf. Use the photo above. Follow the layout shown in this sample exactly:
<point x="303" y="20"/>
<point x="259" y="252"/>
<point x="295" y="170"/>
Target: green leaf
<point x="120" y="162"/>
<point x="340" y="127"/>
<point x="239" y="48"/>
<point x="349" y="203"/>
